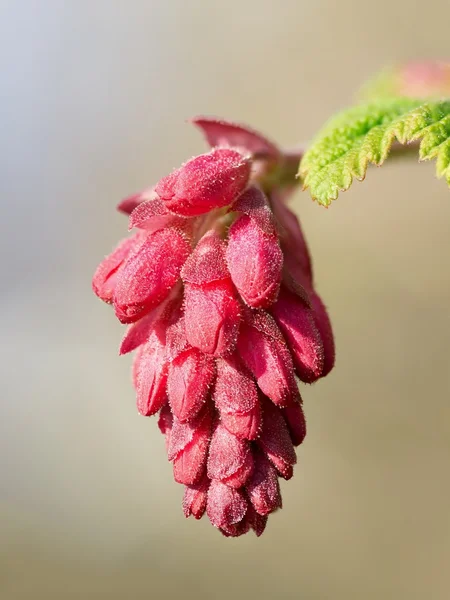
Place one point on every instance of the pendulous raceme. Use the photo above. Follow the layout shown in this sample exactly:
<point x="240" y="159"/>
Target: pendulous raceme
<point x="216" y="287"/>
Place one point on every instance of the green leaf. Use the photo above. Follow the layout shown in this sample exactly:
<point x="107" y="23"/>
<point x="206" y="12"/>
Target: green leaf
<point x="364" y="134"/>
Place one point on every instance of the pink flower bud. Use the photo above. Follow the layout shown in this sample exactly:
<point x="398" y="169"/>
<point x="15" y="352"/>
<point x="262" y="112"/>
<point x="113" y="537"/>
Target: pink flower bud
<point x="153" y="215"/>
<point x="226" y="507"/>
<point x="262" y="488"/>
<point x="257" y="522"/>
<point x="190" y="376"/>
<point x="227" y="456"/>
<point x="205" y="182"/>
<point x="165" y="423"/>
<point x="275" y="440"/>
<point x="127" y="205"/>
<point x="237" y="480"/>
<point x="159" y="317"/>
<point x="207" y="263"/>
<point x="195" y="497"/>
<point x="245" y="426"/>
<point x="176" y="341"/>
<point x="105" y="277"/>
<point x="296" y="322"/>
<point x="295" y="420"/>
<point x="255" y="262"/>
<point x="236" y="398"/>
<point x="293" y="243"/>
<point x="190" y="442"/>
<point x="212" y="317"/>
<point x="148" y="275"/>
<point x="254" y="203"/>
<point x="265" y="354"/>
<point x="151" y="376"/>
<point x="219" y="132"/>
<point x="323" y="324"/>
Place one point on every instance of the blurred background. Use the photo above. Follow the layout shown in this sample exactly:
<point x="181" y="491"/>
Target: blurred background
<point x="93" y="103"/>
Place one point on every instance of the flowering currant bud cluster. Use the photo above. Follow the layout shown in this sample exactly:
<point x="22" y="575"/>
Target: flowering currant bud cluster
<point x="216" y="287"/>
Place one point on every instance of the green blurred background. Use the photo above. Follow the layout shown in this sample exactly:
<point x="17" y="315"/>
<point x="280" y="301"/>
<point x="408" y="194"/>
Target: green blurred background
<point x="93" y="100"/>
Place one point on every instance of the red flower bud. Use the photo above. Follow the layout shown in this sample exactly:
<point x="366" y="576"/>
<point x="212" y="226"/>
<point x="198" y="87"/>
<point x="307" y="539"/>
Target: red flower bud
<point x="153" y="215"/>
<point x="275" y="440"/>
<point x="212" y="317"/>
<point x="295" y="420"/>
<point x="207" y="263"/>
<point x="226" y="507"/>
<point x="205" y="182"/>
<point x="190" y="377"/>
<point x="128" y="204"/>
<point x="254" y="203"/>
<point x="188" y="447"/>
<point x="228" y="457"/>
<point x="323" y="324"/>
<point x="195" y="497"/>
<point x="296" y="322"/>
<point x="265" y="354"/>
<point x="236" y="398"/>
<point x="105" y="277"/>
<point x="263" y="488"/>
<point x="151" y="376"/>
<point x="295" y="248"/>
<point x="255" y="262"/>
<point x="148" y="275"/>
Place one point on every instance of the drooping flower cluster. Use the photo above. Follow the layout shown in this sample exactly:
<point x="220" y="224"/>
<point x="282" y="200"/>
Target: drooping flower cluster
<point x="216" y="287"/>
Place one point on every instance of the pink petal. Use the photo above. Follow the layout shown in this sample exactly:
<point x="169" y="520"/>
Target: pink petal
<point x="105" y="277"/>
<point x="262" y="488"/>
<point x="151" y="377"/>
<point x="207" y="262"/>
<point x="195" y="497"/>
<point x="297" y="324"/>
<point x="265" y="354"/>
<point x="191" y="375"/>
<point x="153" y="215"/>
<point x="149" y="274"/>
<point x="226" y="507"/>
<point x="275" y="440"/>
<point x="212" y="317"/>
<point x="219" y="132"/>
<point x="205" y="182"/>
<point x="227" y="454"/>
<point x="254" y="203"/>
<point x="323" y="324"/>
<point x="255" y="262"/>
<point x="295" y="420"/>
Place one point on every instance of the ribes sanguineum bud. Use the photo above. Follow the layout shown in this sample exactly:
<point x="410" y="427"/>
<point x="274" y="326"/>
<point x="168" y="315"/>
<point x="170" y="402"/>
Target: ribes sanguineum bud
<point x="217" y="289"/>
